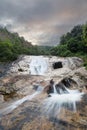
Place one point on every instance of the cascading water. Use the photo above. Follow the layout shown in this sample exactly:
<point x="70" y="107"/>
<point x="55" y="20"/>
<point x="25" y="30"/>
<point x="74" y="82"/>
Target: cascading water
<point x="62" y="97"/>
<point x="71" y="91"/>
<point x="54" y="89"/>
<point x="15" y="104"/>
<point x="38" y="65"/>
<point x="53" y="105"/>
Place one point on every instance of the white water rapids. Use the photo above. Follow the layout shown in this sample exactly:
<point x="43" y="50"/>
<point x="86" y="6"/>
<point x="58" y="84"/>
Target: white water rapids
<point x="15" y="104"/>
<point x="38" y="65"/>
<point x="53" y="105"/>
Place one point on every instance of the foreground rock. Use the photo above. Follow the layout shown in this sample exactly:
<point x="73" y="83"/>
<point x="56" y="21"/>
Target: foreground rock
<point x="28" y="117"/>
<point x="20" y="86"/>
<point x="18" y="83"/>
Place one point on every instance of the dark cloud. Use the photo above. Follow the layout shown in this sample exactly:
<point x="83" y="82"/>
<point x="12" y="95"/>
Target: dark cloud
<point x="42" y="21"/>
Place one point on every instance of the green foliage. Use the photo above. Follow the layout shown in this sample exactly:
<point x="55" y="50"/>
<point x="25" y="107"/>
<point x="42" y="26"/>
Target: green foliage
<point x="11" y="46"/>
<point x="77" y="32"/>
<point x="85" y="33"/>
<point x="73" y="43"/>
<point x="6" y="53"/>
<point x="85" y="37"/>
<point x="65" y="38"/>
<point x="60" y="50"/>
<point x="84" y="57"/>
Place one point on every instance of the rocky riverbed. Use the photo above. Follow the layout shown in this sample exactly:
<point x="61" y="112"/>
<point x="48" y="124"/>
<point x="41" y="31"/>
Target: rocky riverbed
<point x="19" y="82"/>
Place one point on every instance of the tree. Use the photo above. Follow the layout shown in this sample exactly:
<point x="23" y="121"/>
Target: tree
<point x="85" y="37"/>
<point x="6" y="51"/>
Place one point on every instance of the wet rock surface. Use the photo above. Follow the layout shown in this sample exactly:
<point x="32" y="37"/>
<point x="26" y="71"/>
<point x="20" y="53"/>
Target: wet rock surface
<point x="22" y="65"/>
<point x="28" y="117"/>
<point x="4" y="67"/>
<point x="17" y="83"/>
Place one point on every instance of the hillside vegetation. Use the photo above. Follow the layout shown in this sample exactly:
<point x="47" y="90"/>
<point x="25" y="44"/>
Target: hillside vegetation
<point x="12" y="45"/>
<point x="73" y="43"/>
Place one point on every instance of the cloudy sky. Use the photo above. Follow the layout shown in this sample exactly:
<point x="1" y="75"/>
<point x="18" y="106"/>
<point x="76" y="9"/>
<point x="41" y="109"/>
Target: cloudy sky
<point x="42" y="22"/>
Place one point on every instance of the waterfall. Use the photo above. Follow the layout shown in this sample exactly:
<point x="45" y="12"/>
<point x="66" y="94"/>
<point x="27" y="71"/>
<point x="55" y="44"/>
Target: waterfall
<point x="71" y="91"/>
<point x="53" y="105"/>
<point x="15" y="104"/>
<point x="38" y="65"/>
<point x="54" y="89"/>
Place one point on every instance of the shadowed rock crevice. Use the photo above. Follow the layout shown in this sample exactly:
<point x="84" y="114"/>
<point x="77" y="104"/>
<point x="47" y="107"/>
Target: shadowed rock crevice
<point x="61" y="86"/>
<point x="57" y="65"/>
<point x="69" y="83"/>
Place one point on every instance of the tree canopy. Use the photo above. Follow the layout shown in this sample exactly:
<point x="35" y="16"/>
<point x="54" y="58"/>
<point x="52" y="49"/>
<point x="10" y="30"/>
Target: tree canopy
<point x="73" y="43"/>
<point x="12" y="45"/>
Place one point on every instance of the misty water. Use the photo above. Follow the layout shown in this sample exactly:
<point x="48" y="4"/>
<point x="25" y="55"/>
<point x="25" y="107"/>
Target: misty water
<point x="38" y="65"/>
<point x="15" y="104"/>
<point x="53" y="104"/>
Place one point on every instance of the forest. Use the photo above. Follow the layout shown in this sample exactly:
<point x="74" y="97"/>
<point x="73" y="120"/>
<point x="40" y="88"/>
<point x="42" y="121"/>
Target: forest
<point x="73" y="43"/>
<point x="12" y="45"/>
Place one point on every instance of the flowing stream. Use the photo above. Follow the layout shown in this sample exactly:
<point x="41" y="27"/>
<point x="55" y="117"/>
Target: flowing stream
<point x="38" y="65"/>
<point x="54" y="89"/>
<point x="15" y="104"/>
<point x="53" y="105"/>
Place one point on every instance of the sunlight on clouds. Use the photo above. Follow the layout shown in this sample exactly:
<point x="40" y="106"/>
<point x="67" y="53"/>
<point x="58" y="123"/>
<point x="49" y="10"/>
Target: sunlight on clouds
<point x="42" y="22"/>
<point x="33" y="35"/>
